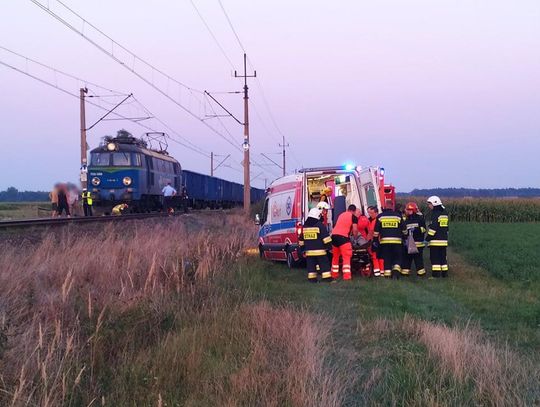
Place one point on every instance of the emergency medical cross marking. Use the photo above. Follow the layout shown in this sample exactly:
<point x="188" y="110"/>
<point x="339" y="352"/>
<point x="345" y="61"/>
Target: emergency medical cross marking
<point x="288" y="208"/>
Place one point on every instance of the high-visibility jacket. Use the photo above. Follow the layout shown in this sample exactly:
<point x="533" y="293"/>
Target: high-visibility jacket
<point x="415" y="224"/>
<point x="117" y="210"/>
<point x="388" y="227"/>
<point x="344" y="224"/>
<point x="438" y="228"/>
<point x="87" y="198"/>
<point x="314" y="238"/>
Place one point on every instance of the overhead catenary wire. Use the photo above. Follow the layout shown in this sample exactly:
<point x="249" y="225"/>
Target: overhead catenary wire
<point x="257" y="80"/>
<point x="68" y="75"/>
<point x="43" y="81"/>
<point x="212" y="34"/>
<point x="113" y="93"/>
<point x="126" y="65"/>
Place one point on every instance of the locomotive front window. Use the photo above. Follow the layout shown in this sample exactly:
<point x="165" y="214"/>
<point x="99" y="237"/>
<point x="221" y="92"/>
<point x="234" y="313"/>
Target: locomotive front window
<point x="136" y="159"/>
<point x="121" y="159"/>
<point x="100" y="159"/>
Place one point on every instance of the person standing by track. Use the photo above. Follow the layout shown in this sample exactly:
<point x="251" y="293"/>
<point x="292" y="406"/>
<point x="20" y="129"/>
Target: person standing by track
<point x="87" y="202"/>
<point x="168" y="192"/>
<point x="53" y="196"/>
<point x="63" y="204"/>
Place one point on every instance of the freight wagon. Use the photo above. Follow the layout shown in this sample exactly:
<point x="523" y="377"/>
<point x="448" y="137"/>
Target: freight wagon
<point x="206" y="191"/>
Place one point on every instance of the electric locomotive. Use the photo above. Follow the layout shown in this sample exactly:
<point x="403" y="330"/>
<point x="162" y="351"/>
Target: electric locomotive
<point x="123" y="169"/>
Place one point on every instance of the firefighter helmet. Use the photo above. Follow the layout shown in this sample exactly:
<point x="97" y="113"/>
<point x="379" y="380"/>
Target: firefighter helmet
<point x="323" y="205"/>
<point x="314" y="213"/>
<point x="411" y="206"/>
<point x="434" y="200"/>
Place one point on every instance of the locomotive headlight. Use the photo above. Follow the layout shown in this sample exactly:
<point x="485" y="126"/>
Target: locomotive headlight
<point x="96" y="181"/>
<point x="126" y="181"/>
<point x="111" y="146"/>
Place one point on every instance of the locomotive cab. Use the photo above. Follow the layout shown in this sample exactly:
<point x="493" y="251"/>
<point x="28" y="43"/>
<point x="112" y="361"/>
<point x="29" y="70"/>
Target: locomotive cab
<point x="123" y="169"/>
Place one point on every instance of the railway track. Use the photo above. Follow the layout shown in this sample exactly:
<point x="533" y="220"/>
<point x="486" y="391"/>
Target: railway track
<point x="42" y="222"/>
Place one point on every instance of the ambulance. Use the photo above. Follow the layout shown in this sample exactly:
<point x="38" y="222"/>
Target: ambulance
<point x="290" y="198"/>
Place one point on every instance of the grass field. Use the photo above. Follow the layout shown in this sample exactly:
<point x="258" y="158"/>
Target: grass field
<point x="24" y="210"/>
<point x="177" y="314"/>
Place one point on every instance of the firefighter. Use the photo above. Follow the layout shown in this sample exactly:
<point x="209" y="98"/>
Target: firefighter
<point x="415" y="225"/>
<point x="314" y="242"/>
<point x="119" y="209"/>
<point x="437" y="237"/>
<point x="87" y="202"/>
<point x="387" y="238"/>
<point x="378" y="265"/>
<point x="324" y="207"/>
<point x="346" y="224"/>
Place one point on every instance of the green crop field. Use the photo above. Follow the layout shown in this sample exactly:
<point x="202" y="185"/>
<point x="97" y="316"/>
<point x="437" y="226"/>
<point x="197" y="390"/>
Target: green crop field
<point x="510" y="252"/>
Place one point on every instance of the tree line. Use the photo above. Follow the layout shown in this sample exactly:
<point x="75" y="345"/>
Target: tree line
<point x="12" y="194"/>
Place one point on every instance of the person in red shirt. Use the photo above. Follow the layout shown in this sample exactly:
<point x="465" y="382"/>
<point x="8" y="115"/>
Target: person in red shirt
<point x="346" y="224"/>
<point x="363" y="224"/>
<point x="378" y="264"/>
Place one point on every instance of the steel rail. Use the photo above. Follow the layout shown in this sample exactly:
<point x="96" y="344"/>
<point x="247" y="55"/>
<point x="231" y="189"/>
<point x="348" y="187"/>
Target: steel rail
<point x="23" y="223"/>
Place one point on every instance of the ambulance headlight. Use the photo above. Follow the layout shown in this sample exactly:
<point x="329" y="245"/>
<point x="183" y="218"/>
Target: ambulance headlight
<point x="126" y="181"/>
<point x="96" y="181"/>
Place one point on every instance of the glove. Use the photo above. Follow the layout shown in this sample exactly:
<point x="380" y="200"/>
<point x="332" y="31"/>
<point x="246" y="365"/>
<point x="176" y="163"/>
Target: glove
<point x="375" y="245"/>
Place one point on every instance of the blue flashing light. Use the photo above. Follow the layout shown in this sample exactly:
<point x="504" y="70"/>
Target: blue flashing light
<point x="349" y="167"/>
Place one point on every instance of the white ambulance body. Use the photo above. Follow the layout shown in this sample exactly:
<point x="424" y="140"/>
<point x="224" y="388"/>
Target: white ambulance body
<point x="290" y="198"/>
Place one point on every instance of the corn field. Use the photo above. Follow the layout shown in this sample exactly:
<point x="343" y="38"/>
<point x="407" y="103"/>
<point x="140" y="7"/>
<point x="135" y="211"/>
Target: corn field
<point x="485" y="209"/>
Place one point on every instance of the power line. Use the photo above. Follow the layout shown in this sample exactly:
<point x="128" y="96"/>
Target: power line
<point x="58" y="71"/>
<point x="94" y="95"/>
<point x="132" y="67"/>
<point x="90" y="102"/>
<point x="257" y="80"/>
<point x="232" y="27"/>
<point x="212" y="34"/>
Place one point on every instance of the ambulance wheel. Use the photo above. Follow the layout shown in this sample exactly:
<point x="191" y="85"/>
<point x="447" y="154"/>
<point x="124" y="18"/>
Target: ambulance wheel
<point x="291" y="262"/>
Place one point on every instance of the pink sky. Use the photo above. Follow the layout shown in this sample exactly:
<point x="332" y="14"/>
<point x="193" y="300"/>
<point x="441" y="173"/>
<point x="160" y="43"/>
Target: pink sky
<point x="440" y="93"/>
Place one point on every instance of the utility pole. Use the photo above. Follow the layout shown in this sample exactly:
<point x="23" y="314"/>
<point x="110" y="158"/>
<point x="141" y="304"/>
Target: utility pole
<point x="211" y="164"/>
<point x="245" y="144"/>
<point x="284" y="161"/>
<point x="84" y="163"/>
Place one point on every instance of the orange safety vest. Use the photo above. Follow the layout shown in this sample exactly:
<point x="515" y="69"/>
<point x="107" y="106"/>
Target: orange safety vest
<point x="343" y="225"/>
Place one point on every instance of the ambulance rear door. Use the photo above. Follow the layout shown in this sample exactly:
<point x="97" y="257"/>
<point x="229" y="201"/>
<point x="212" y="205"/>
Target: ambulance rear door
<point x="369" y="188"/>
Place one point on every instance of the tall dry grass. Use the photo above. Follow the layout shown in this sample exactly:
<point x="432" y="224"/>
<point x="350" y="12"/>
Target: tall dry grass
<point x="463" y="366"/>
<point x="133" y="314"/>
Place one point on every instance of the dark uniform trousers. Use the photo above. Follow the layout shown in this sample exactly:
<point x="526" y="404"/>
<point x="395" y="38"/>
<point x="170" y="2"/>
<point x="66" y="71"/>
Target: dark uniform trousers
<point x="318" y="265"/>
<point x="417" y="259"/>
<point x="314" y="242"/>
<point x="437" y="256"/>
<point x="391" y="255"/>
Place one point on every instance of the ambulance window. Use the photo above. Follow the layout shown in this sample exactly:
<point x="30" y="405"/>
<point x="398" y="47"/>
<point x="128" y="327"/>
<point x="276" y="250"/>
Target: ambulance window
<point x="264" y="215"/>
<point x="370" y="195"/>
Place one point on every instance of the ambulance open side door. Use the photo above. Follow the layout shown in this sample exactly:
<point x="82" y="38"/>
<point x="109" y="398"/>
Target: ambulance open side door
<point x="369" y="188"/>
